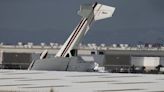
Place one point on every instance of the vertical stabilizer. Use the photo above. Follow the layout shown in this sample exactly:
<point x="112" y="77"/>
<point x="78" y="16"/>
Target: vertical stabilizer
<point x="89" y="14"/>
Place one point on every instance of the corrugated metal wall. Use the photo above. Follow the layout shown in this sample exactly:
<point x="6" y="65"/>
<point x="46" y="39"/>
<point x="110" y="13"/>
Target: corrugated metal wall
<point x="21" y="59"/>
<point x="162" y="61"/>
<point x="117" y="60"/>
<point x="1" y="56"/>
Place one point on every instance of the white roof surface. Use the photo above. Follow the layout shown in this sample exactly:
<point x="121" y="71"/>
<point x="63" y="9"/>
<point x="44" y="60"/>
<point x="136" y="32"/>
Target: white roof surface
<point x="44" y="81"/>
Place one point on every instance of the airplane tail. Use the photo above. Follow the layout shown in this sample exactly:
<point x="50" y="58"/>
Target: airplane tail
<point x="89" y="13"/>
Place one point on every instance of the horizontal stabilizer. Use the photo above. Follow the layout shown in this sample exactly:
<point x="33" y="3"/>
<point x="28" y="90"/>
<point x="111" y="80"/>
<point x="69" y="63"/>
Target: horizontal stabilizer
<point x="103" y="12"/>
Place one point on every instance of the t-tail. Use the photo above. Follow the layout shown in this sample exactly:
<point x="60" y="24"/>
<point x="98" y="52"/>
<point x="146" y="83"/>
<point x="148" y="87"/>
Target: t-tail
<point x="89" y="14"/>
